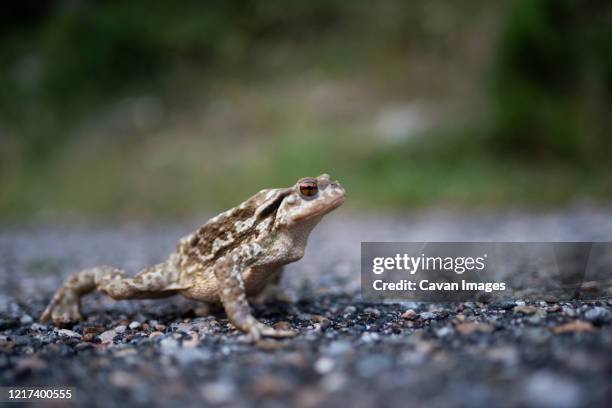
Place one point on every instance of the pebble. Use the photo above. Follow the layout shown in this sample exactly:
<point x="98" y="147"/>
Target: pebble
<point x="597" y="315"/>
<point x="505" y="304"/>
<point x="108" y="336"/>
<point x="38" y="327"/>
<point x="372" y="311"/>
<point x="350" y="310"/>
<point x="574" y="327"/>
<point x="93" y="330"/>
<point x="324" y="365"/>
<point x="26" y="319"/>
<point x="183" y="327"/>
<point x="409" y="315"/>
<point x="427" y="315"/>
<point x="134" y="325"/>
<point x="68" y="333"/>
<point x="120" y="329"/>
<point x="528" y="310"/>
<point x="323" y="321"/>
<point x="569" y="311"/>
<point x="155" y="334"/>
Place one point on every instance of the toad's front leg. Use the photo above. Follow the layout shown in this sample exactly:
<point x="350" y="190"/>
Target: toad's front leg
<point x="228" y="272"/>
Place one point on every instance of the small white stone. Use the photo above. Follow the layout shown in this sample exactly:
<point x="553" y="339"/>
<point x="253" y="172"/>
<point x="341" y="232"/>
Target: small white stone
<point x="324" y="365"/>
<point x="134" y="325"/>
<point x="26" y="319"/>
<point x="68" y="333"/>
<point x="108" y="336"/>
<point x="38" y="326"/>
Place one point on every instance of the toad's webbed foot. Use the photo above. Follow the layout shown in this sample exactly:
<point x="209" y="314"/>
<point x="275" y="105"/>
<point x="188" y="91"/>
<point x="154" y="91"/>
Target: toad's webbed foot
<point x="260" y="330"/>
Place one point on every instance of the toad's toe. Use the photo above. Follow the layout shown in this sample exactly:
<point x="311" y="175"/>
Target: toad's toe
<point x="272" y="332"/>
<point x="63" y="308"/>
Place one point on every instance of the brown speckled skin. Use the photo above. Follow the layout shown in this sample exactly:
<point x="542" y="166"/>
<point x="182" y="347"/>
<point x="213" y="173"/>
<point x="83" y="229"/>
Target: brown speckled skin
<point x="234" y="255"/>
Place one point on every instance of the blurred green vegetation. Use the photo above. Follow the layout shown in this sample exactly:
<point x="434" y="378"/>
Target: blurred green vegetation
<point x="154" y="109"/>
<point x="552" y="82"/>
<point x="61" y="63"/>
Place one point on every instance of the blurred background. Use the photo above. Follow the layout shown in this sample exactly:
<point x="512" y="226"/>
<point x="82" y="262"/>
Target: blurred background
<point x="150" y="110"/>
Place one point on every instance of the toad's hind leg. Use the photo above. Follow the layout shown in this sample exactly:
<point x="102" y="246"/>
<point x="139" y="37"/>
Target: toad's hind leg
<point x="158" y="281"/>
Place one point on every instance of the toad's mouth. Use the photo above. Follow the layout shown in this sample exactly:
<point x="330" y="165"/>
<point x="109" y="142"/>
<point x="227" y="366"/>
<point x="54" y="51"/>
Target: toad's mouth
<point x="323" y="208"/>
<point x="337" y="202"/>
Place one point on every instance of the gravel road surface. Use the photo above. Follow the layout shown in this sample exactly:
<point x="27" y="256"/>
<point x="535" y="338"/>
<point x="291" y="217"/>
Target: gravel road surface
<point x="519" y="352"/>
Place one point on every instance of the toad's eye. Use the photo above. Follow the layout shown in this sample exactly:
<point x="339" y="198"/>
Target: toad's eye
<point x="309" y="188"/>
